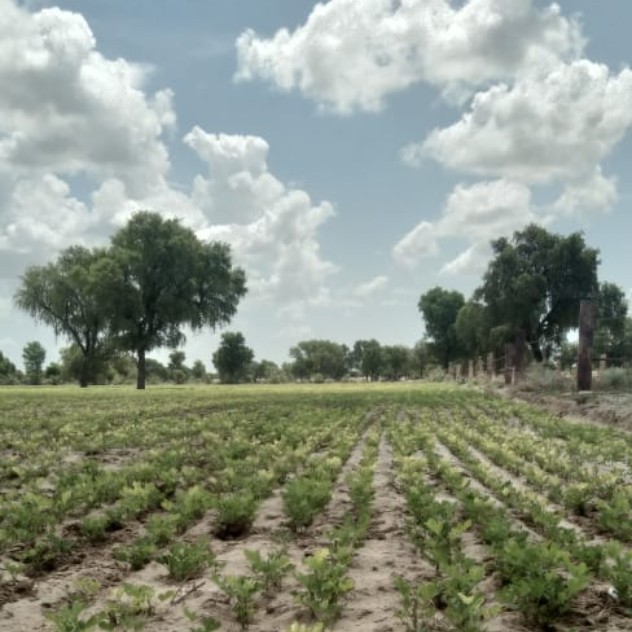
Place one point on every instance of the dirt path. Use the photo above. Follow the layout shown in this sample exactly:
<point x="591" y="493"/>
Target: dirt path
<point x="387" y="553"/>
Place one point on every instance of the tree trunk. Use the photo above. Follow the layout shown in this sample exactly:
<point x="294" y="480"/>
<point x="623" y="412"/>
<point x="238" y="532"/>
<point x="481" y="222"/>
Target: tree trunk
<point x="140" y="375"/>
<point x="84" y="374"/>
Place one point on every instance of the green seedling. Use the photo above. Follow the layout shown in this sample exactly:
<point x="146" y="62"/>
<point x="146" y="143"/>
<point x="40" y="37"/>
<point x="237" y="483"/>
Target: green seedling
<point x="324" y="586"/>
<point x="204" y="624"/>
<point x="304" y="499"/>
<point x="235" y="515"/>
<point x="241" y="590"/>
<point x="69" y="618"/>
<point x="138" y="554"/>
<point x="269" y="570"/>
<point x="186" y="561"/>
<point x="416" y="604"/>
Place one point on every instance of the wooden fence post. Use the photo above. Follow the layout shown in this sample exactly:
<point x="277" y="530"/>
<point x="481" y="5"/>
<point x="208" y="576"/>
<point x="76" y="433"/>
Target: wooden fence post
<point x="509" y="363"/>
<point x="491" y="365"/>
<point x="519" y="353"/>
<point x="584" y="356"/>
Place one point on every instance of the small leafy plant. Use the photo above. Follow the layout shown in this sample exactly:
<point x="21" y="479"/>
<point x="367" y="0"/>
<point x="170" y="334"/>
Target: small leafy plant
<point x="186" y="561"/>
<point x="269" y="570"/>
<point x="241" y="590"/>
<point x="235" y="515"/>
<point x="416" y="604"/>
<point x="324" y="586"/>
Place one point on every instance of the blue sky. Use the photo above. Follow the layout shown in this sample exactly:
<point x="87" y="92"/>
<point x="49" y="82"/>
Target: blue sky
<point x="354" y="153"/>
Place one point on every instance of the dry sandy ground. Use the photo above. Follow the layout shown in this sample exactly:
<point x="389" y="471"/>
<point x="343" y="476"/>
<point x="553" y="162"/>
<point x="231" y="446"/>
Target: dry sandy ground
<point x="371" y="607"/>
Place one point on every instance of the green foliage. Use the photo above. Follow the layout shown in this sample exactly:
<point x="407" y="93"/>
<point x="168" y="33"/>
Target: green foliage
<point x="235" y="515"/>
<point x="233" y="358"/>
<point x="303" y="499"/>
<point x="206" y="624"/>
<point x="367" y="357"/>
<point x="69" y="618"/>
<point x="186" y="561"/>
<point x="324" y="357"/>
<point x="34" y="355"/>
<point x="535" y="283"/>
<point x="167" y="278"/>
<point x="70" y="295"/>
<point x="270" y="570"/>
<point x="324" y="586"/>
<point x="138" y="554"/>
<point x="241" y="590"/>
<point x="541" y="580"/>
<point x="416" y="604"/>
<point x="440" y="309"/>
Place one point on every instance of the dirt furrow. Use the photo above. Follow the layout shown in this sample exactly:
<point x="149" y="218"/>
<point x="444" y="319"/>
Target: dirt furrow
<point x="386" y="554"/>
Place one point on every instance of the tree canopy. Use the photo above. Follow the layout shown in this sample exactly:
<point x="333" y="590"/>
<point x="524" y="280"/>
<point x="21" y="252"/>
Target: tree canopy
<point x="167" y="279"/>
<point x="70" y="295"/>
<point x="233" y="358"/>
<point x="535" y="283"/>
<point x="440" y="308"/>
<point x="34" y="355"/>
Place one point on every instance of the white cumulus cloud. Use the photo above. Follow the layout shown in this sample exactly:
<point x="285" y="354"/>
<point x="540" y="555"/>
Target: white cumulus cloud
<point x="371" y="288"/>
<point x="351" y="54"/>
<point x="543" y="128"/>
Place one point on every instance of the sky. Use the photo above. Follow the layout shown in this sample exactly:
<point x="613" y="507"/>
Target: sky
<point x="353" y="153"/>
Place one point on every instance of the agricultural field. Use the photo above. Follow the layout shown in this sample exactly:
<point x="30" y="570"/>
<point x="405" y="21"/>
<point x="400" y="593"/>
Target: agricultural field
<point x="403" y="507"/>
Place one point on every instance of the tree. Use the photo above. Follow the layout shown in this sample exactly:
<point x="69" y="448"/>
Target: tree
<point x="70" y="295"/>
<point x="472" y="329"/>
<point x="177" y="370"/>
<point x="34" y="355"/>
<point x="440" y="309"/>
<point x="534" y="284"/>
<point x="396" y="361"/>
<point x="232" y="359"/>
<point x="419" y="358"/>
<point x="198" y="370"/>
<point x="168" y="279"/>
<point x="319" y="358"/>
<point x="368" y="358"/>
<point x="612" y="312"/>
<point x="8" y="370"/>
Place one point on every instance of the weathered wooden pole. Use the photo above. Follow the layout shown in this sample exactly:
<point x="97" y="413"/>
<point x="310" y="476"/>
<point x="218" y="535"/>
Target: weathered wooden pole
<point x="457" y="375"/>
<point x="509" y="362"/>
<point x="491" y="365"/>
<point x="586" y="335"/>
<point x="470" y="370"/>
<point x="603" y="362"/>
<point x="519" y="352"/>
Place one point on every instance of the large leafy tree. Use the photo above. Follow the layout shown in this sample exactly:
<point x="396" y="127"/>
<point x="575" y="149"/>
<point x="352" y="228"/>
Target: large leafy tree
<point x="319" y="357"/>
<point x="168" y="279"/>
<point x="69" y="295"/>
<point x="396" y="361"/>
<point x="612" y="312"/>
<point x="34" y="355"/>
<point x="7" y="369"/>
<point x="368" y="358"/>
<point x="535" y="282"/>
<point x="233" y="358"/>
<point x="440" y="309"/>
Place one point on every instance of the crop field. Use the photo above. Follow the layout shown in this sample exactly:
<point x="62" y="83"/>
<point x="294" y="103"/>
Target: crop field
<point x="403" y="507"/>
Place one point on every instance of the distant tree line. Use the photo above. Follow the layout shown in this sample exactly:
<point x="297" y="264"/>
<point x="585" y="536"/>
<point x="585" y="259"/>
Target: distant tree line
<point x="137" y="295"/>
<point x="530" y="292"/>
<point x="117" y="304"/>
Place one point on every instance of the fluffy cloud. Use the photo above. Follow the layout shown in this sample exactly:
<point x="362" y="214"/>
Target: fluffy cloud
<point x="68" y="114"/>
<point x="65" y="108"/>
<point x="419" y="243"/>
<point x="273" y="228"/>
<point x="595" y="193"/>
<point x="477" y="213"/>
<point x="351" y="54"/>
<point x="371" y="288"/>
<point x="544" y="128"/>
